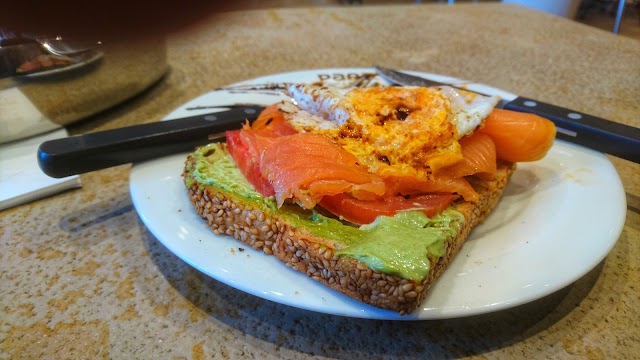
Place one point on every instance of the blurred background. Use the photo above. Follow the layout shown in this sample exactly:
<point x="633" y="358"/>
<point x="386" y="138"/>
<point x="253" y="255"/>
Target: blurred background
<point x="597" y="13"/>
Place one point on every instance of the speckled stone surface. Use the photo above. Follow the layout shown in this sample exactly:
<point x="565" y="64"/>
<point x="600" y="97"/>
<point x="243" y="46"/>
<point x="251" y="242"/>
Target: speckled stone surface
<point x="81" y="276"/>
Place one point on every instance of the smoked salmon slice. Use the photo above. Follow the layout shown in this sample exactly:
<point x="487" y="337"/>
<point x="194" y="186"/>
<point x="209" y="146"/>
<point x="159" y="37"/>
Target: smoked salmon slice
<point x="306" y="167"/>
<point x="411" y="185"/>
<point x="248" y="164"/>
<point x="270" y="123"/>
<point x="478" y="158"/>
<point x="519" y="136"/>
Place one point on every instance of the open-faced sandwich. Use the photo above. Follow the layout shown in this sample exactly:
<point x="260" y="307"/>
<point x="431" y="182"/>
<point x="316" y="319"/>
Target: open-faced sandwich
<point x="370" y="191"/>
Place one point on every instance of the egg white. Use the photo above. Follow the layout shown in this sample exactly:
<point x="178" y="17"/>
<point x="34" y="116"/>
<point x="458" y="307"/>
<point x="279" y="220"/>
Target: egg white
<point x="319" y="107"/>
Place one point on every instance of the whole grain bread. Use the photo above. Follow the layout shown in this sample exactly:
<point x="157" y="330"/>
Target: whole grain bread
<point x="259" y="227"/>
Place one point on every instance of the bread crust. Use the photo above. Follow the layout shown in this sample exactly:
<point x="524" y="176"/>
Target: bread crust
<point x="260" y="228"/>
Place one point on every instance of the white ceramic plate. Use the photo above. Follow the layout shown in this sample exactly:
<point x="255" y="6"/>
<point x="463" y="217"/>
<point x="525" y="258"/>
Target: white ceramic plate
<point x="558" y="219"/>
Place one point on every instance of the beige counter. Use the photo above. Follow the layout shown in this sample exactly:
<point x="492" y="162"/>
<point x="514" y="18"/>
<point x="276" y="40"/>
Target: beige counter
<point x="81" y="276"/>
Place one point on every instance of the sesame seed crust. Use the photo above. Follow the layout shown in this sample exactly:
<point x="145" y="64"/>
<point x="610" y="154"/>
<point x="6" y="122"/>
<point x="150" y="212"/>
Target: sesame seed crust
<point x="259" y="227"/>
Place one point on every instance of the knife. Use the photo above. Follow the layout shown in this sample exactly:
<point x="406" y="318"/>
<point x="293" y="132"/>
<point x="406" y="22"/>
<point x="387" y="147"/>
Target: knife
<point x="83" y="153"/>
<point x="587" y="130"/>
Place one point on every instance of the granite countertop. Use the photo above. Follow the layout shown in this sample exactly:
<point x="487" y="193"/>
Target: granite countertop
<point x="82" y="277"/>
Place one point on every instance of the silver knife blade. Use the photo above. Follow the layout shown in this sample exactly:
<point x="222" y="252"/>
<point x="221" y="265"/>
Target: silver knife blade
<point x="587" y="130"/>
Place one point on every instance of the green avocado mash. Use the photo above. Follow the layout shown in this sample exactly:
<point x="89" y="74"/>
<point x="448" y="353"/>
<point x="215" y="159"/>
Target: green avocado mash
<point x="397" y="245"/>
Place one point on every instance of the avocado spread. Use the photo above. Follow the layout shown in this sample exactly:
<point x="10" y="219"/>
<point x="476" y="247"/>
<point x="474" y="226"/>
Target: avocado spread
<point x="398" y="245"/>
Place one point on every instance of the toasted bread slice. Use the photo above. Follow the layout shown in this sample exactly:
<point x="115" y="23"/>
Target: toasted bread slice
<point x="260" y="227"/>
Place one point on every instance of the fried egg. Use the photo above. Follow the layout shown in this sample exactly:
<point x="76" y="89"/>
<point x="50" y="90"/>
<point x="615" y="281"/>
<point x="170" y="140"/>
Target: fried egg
<point x="390" y="129"/>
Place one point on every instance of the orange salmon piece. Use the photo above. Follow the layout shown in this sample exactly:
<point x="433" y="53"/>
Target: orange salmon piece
<point x="478" y="158"/>
<point x="519" y="136"/>
<point x="411" y="185"/>
<point x="306" y="167"/>
<point x="271" y="123"/>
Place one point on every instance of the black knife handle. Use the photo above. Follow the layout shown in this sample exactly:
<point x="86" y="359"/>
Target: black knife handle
<point x="603" y="135"/>
<point x="83" y="153"/>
